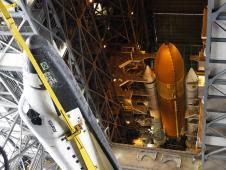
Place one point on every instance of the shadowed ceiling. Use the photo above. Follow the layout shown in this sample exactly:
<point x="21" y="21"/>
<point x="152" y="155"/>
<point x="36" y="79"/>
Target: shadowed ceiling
<point x="178" y="21"/>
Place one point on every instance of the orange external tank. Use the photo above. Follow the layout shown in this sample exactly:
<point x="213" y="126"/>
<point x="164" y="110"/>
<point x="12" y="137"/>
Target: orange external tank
<point x="169" y="68"/>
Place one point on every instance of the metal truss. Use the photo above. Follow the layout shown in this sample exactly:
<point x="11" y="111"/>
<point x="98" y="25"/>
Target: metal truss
<point x="214" y="118"/>
<point x="85" y="33"/>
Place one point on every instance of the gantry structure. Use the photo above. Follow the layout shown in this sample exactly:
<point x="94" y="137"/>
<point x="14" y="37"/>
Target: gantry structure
<point x="85" y="33"/>
<point x="213" y="120"/>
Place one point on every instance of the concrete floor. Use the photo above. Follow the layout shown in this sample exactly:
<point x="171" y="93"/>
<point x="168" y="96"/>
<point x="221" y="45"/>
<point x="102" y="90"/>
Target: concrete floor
<point x="129" y="159"/>
<point x="215" y="165"/>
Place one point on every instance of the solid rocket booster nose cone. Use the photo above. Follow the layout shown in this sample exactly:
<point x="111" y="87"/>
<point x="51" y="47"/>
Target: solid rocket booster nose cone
<point x="35" y="41"/>
<point x="191" y="89"/>
<point x="169" y="69"/>
<point x="191" y="76"/>
<point x="149" y="75"/>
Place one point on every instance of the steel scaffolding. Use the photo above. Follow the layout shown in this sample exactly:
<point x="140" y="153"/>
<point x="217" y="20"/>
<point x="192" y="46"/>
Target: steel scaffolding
<point x="84" y="33"/>
<point x="214" y="118"/>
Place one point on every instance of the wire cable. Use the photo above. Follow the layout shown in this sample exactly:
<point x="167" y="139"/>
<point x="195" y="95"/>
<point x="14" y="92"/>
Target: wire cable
<point x="6" y="161"/>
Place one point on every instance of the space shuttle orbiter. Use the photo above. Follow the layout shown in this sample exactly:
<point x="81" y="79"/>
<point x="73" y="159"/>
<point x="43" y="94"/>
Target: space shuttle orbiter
<point x="39" y="113"/>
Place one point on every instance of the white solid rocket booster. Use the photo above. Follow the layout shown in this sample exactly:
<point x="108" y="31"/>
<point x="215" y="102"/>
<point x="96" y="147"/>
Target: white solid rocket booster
<point x="151" y="90"/>
<point x="191" y="89"/>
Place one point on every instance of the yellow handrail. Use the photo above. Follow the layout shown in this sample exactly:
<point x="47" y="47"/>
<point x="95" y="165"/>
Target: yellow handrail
<point x="21" y="42"/>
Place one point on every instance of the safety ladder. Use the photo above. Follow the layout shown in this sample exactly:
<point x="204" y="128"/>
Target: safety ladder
<point x="74" y="131"/>
<point x="214" y="117"/>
